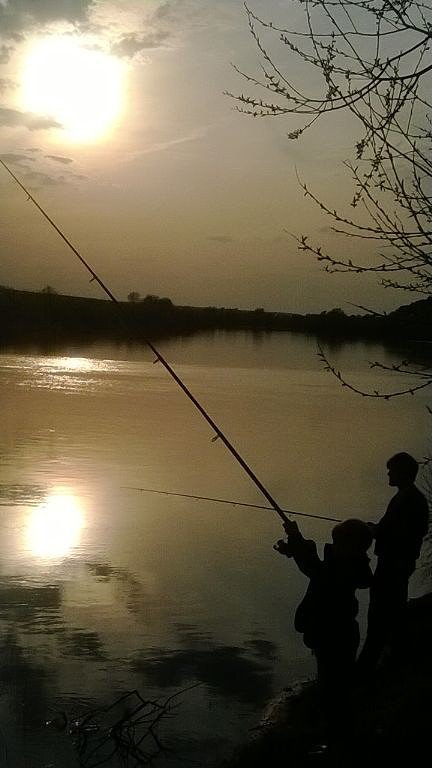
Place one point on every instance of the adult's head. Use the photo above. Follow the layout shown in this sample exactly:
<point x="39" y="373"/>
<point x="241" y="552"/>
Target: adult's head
<point x="402" y="470"/>
<point x="351" y="538"/>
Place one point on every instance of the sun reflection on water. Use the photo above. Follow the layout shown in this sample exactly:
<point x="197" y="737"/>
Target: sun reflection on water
<point x="72" y="364"/>
<point x="55" y="526"/>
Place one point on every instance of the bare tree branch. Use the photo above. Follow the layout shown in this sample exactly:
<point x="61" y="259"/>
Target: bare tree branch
<point x="373" y="59"/>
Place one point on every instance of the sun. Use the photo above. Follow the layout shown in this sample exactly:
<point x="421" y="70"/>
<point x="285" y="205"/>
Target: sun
<point x="79" y="87"/>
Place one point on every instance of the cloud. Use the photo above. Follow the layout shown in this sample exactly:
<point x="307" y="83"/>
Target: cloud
<point x="220" y="239"/>
<point x="23" y="604"/>
<point x="36" y="172"/>
<point x="83" y="643"/>
<point x="14" y="158"/>
<point x="176" y="11"/>
<point x="79" y="176"/>
<point x="160" y="27"/>
<point x="37" y="179"/>
<point x="166" y="9"/>
<point x="5" y="52"/>
<point x="18" y="16"/>
<point x="131" y="44"/>
<point x="160" y="146"/>
<point x="5" y="83"/>
<point x="13" y="118"/>
<point x="60" y="159"/>
<point x="227" y="670"/>
<point x="136" y="598"/>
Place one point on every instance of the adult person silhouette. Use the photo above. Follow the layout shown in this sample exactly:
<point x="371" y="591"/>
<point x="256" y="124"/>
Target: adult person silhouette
<point x="398" y="539"/>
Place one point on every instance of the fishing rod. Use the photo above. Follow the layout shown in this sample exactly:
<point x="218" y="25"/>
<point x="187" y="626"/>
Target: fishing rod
<point x="95" y="277"/>
<point x="233" y="503"/>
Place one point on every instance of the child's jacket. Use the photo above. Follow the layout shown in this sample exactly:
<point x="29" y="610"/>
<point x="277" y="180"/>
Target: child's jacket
<point x="327" y="613"/>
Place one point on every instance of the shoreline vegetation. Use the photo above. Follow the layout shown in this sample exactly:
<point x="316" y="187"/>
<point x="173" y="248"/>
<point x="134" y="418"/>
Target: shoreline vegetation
<point x="391" y="714"/>
<point x="46" y="317"/>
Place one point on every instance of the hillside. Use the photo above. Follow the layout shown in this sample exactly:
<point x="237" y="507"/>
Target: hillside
<point x="53" y="318"/>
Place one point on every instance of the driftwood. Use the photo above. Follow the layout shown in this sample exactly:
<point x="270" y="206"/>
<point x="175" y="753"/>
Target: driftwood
<point x="126" y="730"/>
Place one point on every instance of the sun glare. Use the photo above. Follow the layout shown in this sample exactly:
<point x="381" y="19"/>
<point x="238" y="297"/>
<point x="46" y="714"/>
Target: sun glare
<point x="78" y="87"/>
<point x="55" y="526"/>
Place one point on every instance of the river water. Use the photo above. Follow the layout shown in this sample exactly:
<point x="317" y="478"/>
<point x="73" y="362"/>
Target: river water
<point x="105" y="588"/>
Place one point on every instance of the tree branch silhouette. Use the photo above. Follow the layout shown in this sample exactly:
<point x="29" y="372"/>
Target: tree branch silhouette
<point x="373" y="60"/>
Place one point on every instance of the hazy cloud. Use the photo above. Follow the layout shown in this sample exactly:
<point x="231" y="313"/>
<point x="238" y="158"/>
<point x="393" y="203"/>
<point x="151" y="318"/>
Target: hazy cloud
<point x="227" y="670"/>
<point x="160" y="146"/>
<point x="23" y="604"/>
<point x="17" y="16"/>
<point x="5" y="52"/>
<point x="36" y="176"/>
<point x="14" y="117"/>
<point x="83" y="643"/>
<point x="16" y="158"/>
<point x="5" y="83"/>
<point x="60" y="159"/>
<point x="79" y="176"/>
<point x="174" y="12"/>
<point x="37" y="179"/>
<point x="220" y="239"/>
<point x="160" y="26"/>
<point x="129" y="45"/>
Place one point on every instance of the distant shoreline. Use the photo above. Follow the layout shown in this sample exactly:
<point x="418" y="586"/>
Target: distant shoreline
<point x="46" y="317"/>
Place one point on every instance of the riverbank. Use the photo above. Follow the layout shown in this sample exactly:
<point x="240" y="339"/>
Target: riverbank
<point x="392" y="714"/>
<point x="50" y="318"/>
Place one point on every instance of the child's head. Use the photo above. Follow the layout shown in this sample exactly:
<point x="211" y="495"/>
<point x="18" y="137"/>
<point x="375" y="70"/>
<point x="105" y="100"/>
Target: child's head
<point x="351" y="538"/>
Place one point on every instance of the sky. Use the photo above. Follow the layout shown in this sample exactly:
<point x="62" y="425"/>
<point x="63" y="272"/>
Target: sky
<point x="113" y="113"/>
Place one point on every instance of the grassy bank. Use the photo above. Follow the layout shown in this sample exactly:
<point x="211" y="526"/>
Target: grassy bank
<point x="393" y="714"/>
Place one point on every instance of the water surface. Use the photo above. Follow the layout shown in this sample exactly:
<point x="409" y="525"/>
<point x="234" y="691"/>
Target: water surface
<point x="105" y="588"/>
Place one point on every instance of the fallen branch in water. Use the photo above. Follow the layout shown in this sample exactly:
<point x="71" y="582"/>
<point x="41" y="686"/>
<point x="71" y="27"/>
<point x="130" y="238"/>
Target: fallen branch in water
<point x="126" y="729"/>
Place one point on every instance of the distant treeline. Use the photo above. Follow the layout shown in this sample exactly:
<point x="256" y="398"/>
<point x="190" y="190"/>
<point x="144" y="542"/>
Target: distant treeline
<point x="49" y="317"/>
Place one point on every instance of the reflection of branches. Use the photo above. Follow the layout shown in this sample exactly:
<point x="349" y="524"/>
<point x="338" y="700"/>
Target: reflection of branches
<point x="426" y="380"/>
<point x="126" y="729"/>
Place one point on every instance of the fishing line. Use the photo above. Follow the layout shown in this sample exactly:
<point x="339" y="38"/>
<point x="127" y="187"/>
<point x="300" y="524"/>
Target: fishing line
<point x="95" y="277"/>
<point x="233" y="503"/>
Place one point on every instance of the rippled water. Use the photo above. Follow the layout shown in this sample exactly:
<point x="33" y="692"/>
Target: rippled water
<point x="105" y="588"/>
